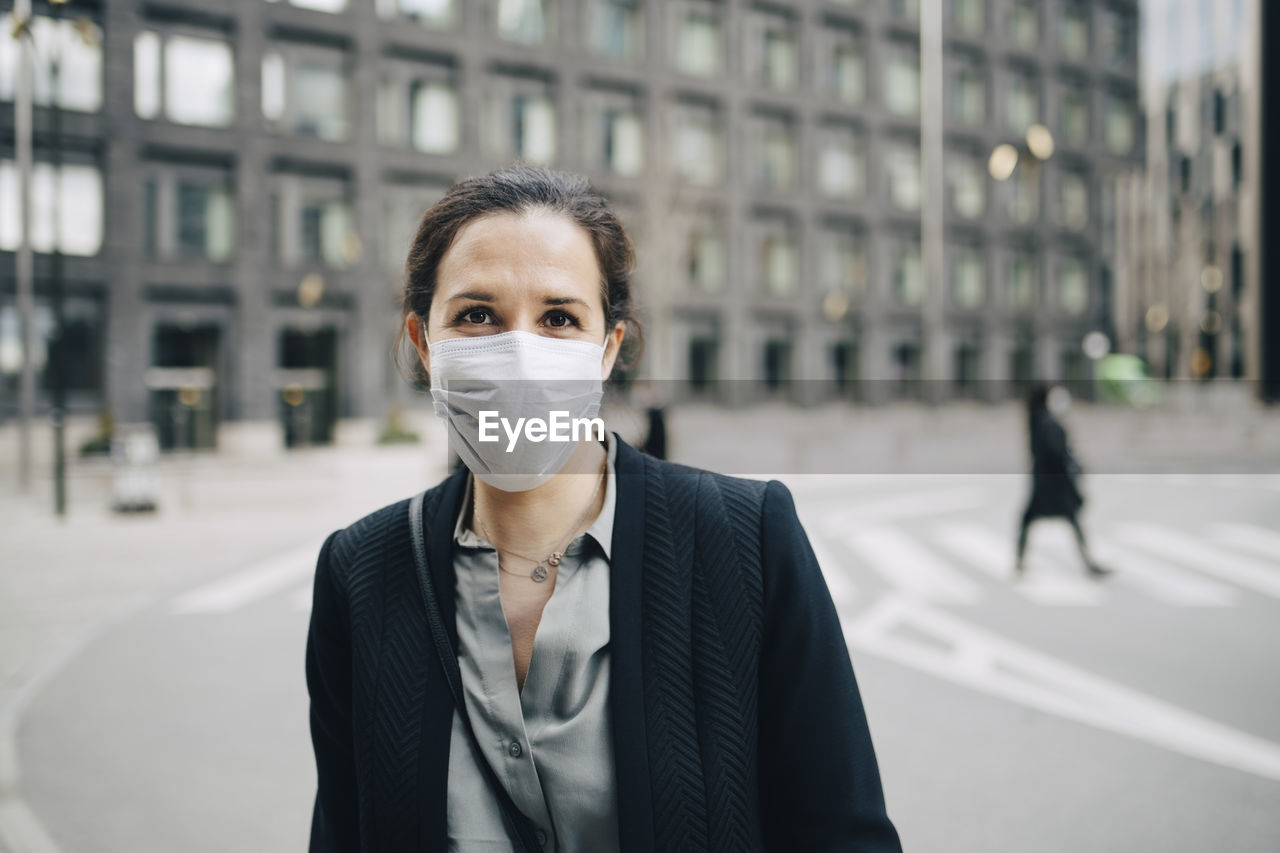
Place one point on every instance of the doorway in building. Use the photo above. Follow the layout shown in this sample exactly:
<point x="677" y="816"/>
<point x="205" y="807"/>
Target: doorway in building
<point x="182" y="386"/>
<point x="306" y="385"/>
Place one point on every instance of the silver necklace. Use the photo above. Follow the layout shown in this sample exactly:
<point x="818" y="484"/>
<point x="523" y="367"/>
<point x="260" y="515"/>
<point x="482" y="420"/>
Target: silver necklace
<point x="542" y="568"/>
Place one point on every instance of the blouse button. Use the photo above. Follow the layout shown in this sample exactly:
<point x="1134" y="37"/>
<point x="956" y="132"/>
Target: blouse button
<point x="542" y="838"/>
<point x="514" y="750"/>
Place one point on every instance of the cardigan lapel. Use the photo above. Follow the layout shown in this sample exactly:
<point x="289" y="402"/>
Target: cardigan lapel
<point x="626" y="701"/>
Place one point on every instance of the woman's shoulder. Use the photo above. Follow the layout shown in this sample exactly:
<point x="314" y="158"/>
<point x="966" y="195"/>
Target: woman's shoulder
<point x="387" y="522"/>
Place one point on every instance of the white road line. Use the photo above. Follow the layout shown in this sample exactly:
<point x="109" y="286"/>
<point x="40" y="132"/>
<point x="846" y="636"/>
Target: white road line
<point x="1189" y="551"/>
<point x="939" y="643"/>
<point x="911" y="568"/>
<point x="984" y="550"/>
<point x="1246" y="537"/>
<point x="843" y="590"/>
<point x="899" y="507"/>
<point x="1160" y="578"/>
<point x="250" y="584"/>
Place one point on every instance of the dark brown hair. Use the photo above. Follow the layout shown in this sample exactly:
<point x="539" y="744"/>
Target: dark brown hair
<point x="520" y="189"/>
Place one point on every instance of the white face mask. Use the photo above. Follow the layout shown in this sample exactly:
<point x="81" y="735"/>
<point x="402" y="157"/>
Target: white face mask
<point x="1058" y="401"/>
<point x="495" y="390"/>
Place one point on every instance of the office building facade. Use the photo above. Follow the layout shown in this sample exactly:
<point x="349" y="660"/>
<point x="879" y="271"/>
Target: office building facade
<point x="239" y="184"/>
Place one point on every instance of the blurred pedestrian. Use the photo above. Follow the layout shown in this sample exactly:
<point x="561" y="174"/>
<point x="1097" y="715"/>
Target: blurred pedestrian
<point x="655" y="439"/>
<point x="1055" y="473"/>
<point x="659" y="667"/>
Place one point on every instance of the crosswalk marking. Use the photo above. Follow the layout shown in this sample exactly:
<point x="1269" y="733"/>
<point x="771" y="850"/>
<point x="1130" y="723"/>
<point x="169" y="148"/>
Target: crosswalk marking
<point x="986" y="551"/>
<point x="1246" y="537"/>
<point x="941" y="644"/>
<point x="250" y="584"/>
<point x="911" y="568"/>
<point x="1162" y="579"/>
<point x="902" y="506"/>
<point x="1189" y="551"/>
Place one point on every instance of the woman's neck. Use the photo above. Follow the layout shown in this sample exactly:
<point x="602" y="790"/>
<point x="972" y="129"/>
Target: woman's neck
<point x="538" y="520"/>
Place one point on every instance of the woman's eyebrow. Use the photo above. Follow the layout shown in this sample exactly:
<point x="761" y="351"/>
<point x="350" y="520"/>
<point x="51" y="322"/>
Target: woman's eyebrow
<point x="563" y="300"/>
<point x="474" y="296"/>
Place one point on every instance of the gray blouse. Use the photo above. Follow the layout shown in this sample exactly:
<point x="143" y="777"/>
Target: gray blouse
<point x="550" y="744"/>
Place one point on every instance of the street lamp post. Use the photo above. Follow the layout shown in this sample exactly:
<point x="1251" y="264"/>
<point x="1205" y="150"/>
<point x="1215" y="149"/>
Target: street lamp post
<point x="24" y="266"/>
<point x="23" y="125"/>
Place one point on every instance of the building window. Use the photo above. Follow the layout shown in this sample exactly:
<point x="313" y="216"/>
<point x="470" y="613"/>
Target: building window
<point x="533" y="128"/>
<point x="902" y="164"/>
<point x="775" y="42"/>
<point x="843" y="261"/>
<point x="907" y="10"/>
<point x="616" y="28"/>
<point x="1073" y="286"/>
<point x="1075" y="115"/>
<point x="967" y="182"/>
<point x="623" y="142"/>
<point x="697" y="144"/>
<point x="845" y="67"/>
<point x="402" y="209"/>
<point x="331" y="6"/>
<point x="1117" y="35"/>
<point x="185" y="79"/>
<point x="1073" y="199"/>
<point x="777" y="258"/>
<point x="968" y="16"/>
<point x="842" y="166"/>
<point x="1073" y="31"/>
<point x="1118" y="125"/>
<point x="967" y="91"/>
<point x="304" y="91"/>
<point x="698" y="39"/>
<point x="1022" y="101"/>
<point x="1237" y="166"/>
<point x="524" y="21"/>
<point x="775" y="163"/>
<point x="82" y="353"/>
<point x="78" y="47"/>
<point x="188" y="212"/>
<point x="313" y="222"/>
<point x="429" y="13"/>
<point x="908" y="274"/>
<point x="968" y="277"/>
<point x="1022" y="24"/>
<point x="418" y="110"/>
<point x="1022" y="195"/>
<point x="902" y="81"/>
<point x="1021" y="280"/>
<point x="704" y="258"/>
<point x="66" y="209"/>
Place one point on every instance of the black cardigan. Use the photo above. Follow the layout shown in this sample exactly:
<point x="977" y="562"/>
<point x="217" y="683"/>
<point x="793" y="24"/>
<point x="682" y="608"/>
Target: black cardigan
<point x="737" y="723"/>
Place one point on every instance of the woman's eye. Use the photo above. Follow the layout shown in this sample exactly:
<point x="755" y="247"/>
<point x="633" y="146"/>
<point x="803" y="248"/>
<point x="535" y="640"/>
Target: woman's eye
<point x="560" y="320"/>
<point x="476" y="316"/>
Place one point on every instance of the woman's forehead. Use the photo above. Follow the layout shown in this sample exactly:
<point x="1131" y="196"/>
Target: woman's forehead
<point x="509" y="247"/>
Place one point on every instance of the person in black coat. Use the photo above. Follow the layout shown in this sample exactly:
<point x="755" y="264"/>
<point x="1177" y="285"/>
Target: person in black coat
<point x="1055" y="473"/>
<point x="733" y="719"/>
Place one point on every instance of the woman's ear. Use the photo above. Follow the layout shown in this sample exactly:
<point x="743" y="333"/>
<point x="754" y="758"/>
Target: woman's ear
<point x="417" y="332"/>
<point x="612" y="346"/>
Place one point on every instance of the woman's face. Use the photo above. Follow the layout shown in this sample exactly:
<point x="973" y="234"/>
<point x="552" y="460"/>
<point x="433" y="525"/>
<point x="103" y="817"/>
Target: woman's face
<point x="534" y="272"/>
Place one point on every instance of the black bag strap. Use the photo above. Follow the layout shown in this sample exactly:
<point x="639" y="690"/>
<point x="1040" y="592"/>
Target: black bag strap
<point x="518" y="825"/>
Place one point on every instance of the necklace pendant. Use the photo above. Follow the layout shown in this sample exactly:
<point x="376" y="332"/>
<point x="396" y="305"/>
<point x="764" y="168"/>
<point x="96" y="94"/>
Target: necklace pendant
<point x="539" y="573"/>
<point x="554" y="559"/>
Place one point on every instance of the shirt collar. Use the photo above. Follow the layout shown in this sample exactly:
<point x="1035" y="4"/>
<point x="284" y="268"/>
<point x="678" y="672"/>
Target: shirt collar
<point x="600" y="530"/>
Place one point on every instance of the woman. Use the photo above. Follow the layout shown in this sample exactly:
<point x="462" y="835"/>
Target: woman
<point x="1054" y="472"/>
<point x="571" y="646"/>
